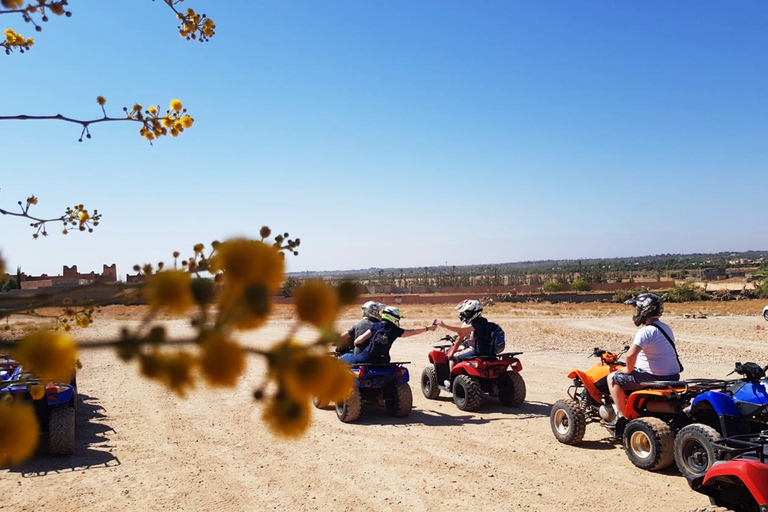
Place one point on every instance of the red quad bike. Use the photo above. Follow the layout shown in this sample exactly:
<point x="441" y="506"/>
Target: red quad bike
<point x="739" y="484"/>
<point x="655" y="413"/>
<point x="496" y="375"/>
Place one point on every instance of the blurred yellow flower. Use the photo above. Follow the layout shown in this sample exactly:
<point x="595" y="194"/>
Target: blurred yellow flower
<point x="178" y="373"/>
<point x="48" y="354"/>
<point x="101" y="100"/>
<point x="13" y="4"/>
<point x="320" y="376"/>
<point x="222" y="361"/>
<point x="245" y="261"/>
<point x="187" y="121"/>
<point x="285" y="416"/>
<point x="37" y="392"/>
<point x="19" y="432"/>
<point x="170" y="290"/>
<point x="176" y="105"/>
<point x="316" y="303"/>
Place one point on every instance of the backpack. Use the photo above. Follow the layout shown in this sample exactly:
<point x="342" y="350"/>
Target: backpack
<point x="496" y="335"/>
<point x="378" y="346"/>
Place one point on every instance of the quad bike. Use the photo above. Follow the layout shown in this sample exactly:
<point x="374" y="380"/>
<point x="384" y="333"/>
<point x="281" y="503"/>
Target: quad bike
<point x="497" y="375"/>
<point x="379" y="384"/>
<point x="739" y="408"/>
<point x="740" y="483"/>
<point x="55" y="410"/>
<point x="654" y="413"/>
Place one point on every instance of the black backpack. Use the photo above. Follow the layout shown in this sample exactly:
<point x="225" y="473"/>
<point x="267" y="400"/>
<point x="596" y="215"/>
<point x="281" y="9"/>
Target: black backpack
<point x="378" y="345"/>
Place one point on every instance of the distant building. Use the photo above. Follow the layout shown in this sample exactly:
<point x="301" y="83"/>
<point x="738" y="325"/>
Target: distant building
<point x="714" y="274"/>
<point x="70" y="277"/>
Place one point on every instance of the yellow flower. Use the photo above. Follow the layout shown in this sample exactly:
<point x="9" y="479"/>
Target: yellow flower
<point x="13" y="4"/>
<point x="187" y="121"/>
<point x="316" y="303"/>
<point x="285" y="416"/>
<point x="37" y="392"/>
<point x="56" y="8"/>
<point x="320" y="376"/>
<point x="176" y="105"/>
<point x="244" y="261"/>
<point x="101" y="100"/>
<point x="31" y="200"/>
<point x="168" y="122"/>
<point x="48" y="354"/>
<point x="152" y="109"/>
<point x="19" y="432"/>
<point x="170" y="290"/>
<point x="222" y="361"/>
<point x="178" y="373"/>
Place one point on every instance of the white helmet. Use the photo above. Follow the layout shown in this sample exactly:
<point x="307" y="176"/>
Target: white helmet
<point x="372" y="309"/>
<point x="391" y="314"/>
<point x="469" y="310"/>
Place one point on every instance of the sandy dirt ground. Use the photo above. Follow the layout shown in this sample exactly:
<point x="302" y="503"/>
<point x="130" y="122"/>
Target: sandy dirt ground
<point x="140" y="448"/>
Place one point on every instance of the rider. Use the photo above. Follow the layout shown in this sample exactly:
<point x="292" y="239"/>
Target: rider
<point x="381" y="335"/>
<point x="371" y="315"/>
<point x="652" y="356"/>
<point x="473" y="333"/>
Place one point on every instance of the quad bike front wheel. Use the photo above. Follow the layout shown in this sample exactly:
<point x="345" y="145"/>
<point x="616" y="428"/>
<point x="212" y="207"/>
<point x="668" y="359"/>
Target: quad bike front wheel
<point x="398" y="399"/>
<point x="319" y="404"/>
<point x="61" y="430"/>
<point x="429" y="384"/>
<point x="712" y="508"/>
<point x="649" y="443"/>
<point x="694" y="451"/>
<point x="467" y="393"/>
<point x="511" y="389"/>
<point x="568" y="421"/>
<point x="348" y="410"/>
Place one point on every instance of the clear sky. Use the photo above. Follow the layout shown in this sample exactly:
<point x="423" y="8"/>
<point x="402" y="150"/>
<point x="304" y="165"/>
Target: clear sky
<point x="405" y="133"/>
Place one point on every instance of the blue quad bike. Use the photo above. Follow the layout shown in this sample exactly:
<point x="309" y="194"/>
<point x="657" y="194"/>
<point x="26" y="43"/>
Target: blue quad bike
<point x="55" y="410"/>
<point x="739" y="408"/>
<point x="377" y="384"/>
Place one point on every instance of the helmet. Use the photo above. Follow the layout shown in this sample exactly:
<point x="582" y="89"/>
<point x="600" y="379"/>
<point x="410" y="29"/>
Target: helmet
<point x="469" y="310"/>
<point x="372" y="309"/>
<point x="392" y="315"/>
<point x="648" y="305"/>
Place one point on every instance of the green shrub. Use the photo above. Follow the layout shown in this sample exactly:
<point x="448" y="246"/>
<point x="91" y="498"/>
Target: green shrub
<point x="579" y="285"/>
<point x="552" y="286"/>
<point x="685" y="292"/>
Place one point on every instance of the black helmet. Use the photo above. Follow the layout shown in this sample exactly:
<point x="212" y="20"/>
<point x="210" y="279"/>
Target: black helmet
<point x="649" y="305"/>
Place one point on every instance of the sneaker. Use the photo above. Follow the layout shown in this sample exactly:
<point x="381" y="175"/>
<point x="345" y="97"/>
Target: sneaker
<point x="447" y="383"/>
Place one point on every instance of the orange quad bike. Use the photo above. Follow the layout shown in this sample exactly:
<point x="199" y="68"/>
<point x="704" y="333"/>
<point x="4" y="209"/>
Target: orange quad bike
<point x="655" y="413"/>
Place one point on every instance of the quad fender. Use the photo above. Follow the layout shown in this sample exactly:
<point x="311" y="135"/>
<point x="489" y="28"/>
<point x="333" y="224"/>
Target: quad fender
<point x="721" y="403"/>
<point x="588" y="382"/>
<point x="752" y="473"/>
<point x="59" y="394"/>
<point x="636" y="400"/>
<point x="437" y="356"/>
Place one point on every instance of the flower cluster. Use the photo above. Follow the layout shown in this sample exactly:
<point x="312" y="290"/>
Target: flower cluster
<point x="172" y="123"/>
<point x="195" y="26"/>
<point x="15" y="40"/>
<point x="245" y="275"/>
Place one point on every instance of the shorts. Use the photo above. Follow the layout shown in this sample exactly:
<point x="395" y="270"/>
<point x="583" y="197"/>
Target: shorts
<point x="633" y="381"/>
<point x="466" y="354"/>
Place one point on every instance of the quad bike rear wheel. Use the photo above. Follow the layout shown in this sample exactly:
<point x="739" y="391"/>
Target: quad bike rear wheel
<point x="61" y="430"/>
<point x="694" y="451"/>
<point x="511" y="389"/>
<point x="568" y="421"/>
<point x="712" y="508"/>
<point x="467" y="393"/>
<point x="649" y="443"/>
<point x="398" y="399"/>
<point x="348" y="410"/>
<point x="429" y="383"/>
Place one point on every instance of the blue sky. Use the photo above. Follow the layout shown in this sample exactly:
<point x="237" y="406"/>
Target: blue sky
<point x="395" y="134"/>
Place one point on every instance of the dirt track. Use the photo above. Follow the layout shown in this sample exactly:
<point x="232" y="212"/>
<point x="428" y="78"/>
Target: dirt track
<point x="140" y="448"/>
